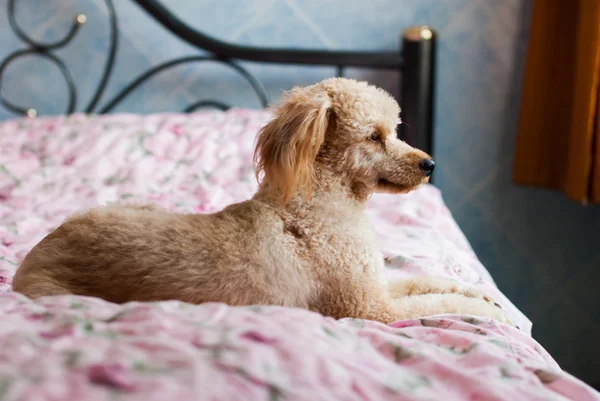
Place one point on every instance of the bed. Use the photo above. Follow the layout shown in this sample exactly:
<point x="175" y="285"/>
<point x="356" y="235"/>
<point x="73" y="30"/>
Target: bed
<point x="78" y="348"/>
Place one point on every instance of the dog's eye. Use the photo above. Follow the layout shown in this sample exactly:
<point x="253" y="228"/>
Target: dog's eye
<point x="375" y="137"/>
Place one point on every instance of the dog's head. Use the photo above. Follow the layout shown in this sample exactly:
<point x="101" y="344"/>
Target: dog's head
<point x="346" y="127"/>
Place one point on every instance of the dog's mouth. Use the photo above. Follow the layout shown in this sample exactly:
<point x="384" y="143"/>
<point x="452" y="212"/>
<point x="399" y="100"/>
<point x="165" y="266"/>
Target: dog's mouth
<point x="384" y="185"/>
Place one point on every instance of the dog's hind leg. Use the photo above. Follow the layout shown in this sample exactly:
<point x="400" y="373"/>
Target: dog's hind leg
<point x="36" y="290"/>
<point x="35" y="286"/>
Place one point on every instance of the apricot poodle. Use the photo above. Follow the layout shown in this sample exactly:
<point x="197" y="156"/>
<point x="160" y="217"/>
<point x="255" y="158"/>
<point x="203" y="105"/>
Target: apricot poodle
<point x="303" y="240"/>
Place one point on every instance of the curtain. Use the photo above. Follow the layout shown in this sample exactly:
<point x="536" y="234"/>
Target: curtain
<point x="558" y="138"/>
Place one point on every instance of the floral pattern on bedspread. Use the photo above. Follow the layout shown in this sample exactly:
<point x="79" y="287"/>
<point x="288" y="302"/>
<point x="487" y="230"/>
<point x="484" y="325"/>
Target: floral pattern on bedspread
<point x="77" y="348"/>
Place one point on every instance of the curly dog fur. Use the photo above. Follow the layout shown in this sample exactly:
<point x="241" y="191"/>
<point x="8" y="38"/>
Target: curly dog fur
<point x="303" y="240"/>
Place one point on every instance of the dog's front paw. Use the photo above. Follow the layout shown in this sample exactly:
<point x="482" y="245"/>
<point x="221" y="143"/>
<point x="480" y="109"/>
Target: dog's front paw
<point x="501" y="316"/>
<point x="422" y="285"/>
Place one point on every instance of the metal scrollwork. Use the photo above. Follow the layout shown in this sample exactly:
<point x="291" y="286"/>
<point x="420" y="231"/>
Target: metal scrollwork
<point x="46" y="51"/>
<point x="256" y="85"/>
<point x="43" y="50"/>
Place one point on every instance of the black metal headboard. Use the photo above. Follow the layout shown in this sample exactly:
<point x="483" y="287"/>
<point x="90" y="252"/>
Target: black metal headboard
<point x="415" y="61"/>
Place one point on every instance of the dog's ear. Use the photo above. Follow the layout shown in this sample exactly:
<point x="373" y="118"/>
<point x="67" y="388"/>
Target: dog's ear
<point x="288" y="145"/>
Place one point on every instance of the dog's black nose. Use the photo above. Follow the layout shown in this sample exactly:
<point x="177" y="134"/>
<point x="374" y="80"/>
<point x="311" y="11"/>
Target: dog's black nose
<point x="427" y="165"/>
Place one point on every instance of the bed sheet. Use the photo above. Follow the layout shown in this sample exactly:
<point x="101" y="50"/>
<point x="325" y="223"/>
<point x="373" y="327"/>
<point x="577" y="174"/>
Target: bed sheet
<point x="77" y="348"/>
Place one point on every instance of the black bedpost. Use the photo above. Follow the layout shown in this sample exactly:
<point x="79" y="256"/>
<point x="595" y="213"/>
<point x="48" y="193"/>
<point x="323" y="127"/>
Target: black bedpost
<point x="417" y="83"/>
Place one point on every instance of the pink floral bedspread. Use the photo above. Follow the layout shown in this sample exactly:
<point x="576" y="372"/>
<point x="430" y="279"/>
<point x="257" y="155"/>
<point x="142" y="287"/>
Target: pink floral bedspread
<point x="76" y="348"/>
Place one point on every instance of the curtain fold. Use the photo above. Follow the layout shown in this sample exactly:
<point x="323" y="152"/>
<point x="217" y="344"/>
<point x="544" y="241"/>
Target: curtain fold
<point x="558" y="138"/>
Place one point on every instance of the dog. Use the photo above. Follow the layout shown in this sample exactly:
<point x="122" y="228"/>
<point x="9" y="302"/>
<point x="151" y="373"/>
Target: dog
<point x="302" y="240"/>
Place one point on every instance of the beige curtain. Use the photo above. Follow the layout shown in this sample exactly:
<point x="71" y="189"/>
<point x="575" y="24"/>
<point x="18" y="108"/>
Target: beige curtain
<point x="558" y="140"/>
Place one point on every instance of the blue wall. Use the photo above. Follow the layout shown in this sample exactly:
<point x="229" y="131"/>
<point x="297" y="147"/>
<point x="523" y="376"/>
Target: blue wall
<point x="542" y="249"/>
